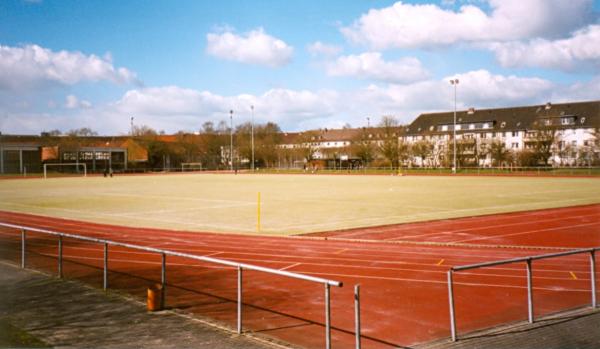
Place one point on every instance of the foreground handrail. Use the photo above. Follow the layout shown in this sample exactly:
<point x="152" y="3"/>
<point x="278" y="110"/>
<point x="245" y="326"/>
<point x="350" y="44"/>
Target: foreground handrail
<point x="239" y="266"/>
<point x="528" y="260"/>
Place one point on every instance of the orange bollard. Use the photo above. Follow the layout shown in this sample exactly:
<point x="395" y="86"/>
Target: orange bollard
<point x="154" y="302"/>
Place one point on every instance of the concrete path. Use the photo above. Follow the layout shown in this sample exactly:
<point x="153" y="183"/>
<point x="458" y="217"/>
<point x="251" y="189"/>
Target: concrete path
<point x="577" y="329"/>
<point x="67" y="314"/>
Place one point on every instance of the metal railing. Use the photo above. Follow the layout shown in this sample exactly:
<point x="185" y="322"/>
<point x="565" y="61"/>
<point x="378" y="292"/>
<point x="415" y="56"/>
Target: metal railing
<point x="164" y="253"/>
<point x="528" y="263"/>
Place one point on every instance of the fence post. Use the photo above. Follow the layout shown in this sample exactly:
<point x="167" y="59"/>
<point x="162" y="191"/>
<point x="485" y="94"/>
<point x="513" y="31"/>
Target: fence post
<point x="451" y="304"/>
<point x="239" y="300"/>
<point x="60" y="253"/>
<point x="357" y="314"/>
<point x="529" y="292"/>
<point x="163" y="280"/>
<point x="105" y="278"/>
<point x="327" y="319"/>
<point x="23" y="248"/>
<point x="593" y="276"/>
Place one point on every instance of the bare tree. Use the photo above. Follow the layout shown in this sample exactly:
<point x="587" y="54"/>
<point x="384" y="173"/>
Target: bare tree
<point x="499" y="154"/>
<point x="423" y="149"/>
<point x="362" y="147"/>
<point x="389" y="144"/>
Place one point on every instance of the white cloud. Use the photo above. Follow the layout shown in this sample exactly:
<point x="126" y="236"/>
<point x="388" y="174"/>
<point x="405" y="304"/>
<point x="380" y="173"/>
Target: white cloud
<point x="370" y="65"/>
<point x="255" y="47"/>
<point x="406" y="25"/>
<point x="566" y="54"/>
<point x="318" y="48"/>
<point x="72" y="102"/>
<point x="173" y="108"/>
<point x="32" y="66"/>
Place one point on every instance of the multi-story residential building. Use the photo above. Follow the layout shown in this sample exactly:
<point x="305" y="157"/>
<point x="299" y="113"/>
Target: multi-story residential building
<point x="559" y="134"/>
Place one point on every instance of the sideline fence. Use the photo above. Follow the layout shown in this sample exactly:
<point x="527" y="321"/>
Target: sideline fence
<point x="529" y="269"/>
<point x="164" y="253"/>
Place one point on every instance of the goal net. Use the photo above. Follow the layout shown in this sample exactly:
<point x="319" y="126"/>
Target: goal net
<point x="65" y="168"/>
<point x="191" y="166"/>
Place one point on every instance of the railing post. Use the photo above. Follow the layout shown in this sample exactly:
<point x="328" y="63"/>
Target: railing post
<point x="239" y="300"/>
<point x="163" y="281"/>
<point x="451" y="304"/>
<point x="60" y="256"/>
<point x="593" y="276"/>
<point x="23" y="248"/>
<point x="105" y="278"/>
<point x="357" y="314"/>
<point x="327" y="319"/>
<point x="529" y="292"/>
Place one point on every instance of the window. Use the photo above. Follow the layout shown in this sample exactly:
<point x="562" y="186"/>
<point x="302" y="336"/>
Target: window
<point x="471" y="126"/>
<point x="444" y="127"/>
<point x="574" y="143"/>
<point x="493" y="134"/>
<point x="515" y="145"/>
<point x="458" y="127"/>
<point x="547" y="122"/>
<point x="568" y="120"/>
<point x="515" y="133"/>
<point x="586" y="143"/>
<point x="486" y="125"/>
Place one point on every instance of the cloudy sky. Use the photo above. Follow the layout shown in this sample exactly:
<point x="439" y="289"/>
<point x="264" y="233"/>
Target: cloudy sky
<point x="172" y="65"/>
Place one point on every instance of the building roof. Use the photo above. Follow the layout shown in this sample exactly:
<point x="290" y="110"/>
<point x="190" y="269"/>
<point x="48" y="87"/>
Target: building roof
<point x="339" y="135"/>
<point x="586" y="115"/>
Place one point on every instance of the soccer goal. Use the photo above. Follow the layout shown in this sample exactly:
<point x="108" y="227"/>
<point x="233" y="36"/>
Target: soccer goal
<point x="66" y="168"/>
<point x="191" y="166"/>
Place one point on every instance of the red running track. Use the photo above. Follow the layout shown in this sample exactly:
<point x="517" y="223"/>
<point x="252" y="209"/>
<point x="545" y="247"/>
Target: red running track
<point x="572" y="227"/>
<point x="403" y="285"/>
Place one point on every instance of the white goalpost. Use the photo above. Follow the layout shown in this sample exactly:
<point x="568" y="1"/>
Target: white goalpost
<point x="191" y="166"/>
<point x="73" y="164"/>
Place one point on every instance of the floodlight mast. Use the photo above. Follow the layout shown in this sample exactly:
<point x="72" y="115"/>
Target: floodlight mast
<point x="252" y="107"/>
<point x="231" y="140"/>
<point x="454" y="82"/>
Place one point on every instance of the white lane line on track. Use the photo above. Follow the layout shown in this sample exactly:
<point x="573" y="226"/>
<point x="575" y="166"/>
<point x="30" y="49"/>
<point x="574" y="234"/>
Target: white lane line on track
<point x="446" y="283"/>
<point x="472" y="219"/>
<point x="456" y="259"/>
<point x="495" y="226"/>
<point x="249" y="260"/>
<point x="527" y="232"/>
<point x="290" y="266"/>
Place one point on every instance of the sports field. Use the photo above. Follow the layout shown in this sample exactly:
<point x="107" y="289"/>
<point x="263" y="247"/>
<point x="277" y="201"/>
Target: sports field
<point x="290" y="204"/>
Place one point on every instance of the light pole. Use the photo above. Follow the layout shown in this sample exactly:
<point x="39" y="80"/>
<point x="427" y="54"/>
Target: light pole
<point x="252" y="107"/>
<point x="454" y="82"/>
<point x="131" y="121"/>
<point x="368" y="122"/>
<point x="231" y="140"/>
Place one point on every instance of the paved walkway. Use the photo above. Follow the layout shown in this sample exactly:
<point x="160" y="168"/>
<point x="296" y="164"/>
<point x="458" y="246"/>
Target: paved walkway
<point x="67" y="314"/>
<point x="578" y="329"/>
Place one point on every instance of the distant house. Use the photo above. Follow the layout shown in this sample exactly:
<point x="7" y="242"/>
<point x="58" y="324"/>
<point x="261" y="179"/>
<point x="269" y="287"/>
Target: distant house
<point x="570" y="129"/>
<point x="28" y="153"/>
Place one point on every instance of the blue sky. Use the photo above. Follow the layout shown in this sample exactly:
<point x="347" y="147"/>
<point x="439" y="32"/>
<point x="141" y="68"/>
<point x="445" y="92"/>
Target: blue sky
<point x="302" y="64"/>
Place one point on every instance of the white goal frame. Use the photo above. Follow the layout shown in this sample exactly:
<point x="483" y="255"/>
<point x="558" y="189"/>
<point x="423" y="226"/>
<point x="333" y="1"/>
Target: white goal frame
<point x="76" y="164"/>
<point x="190" y="166"/>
